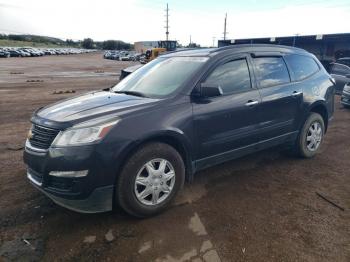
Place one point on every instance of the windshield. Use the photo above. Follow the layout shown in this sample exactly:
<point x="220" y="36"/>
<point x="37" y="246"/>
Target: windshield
<point x="161" y="77"/>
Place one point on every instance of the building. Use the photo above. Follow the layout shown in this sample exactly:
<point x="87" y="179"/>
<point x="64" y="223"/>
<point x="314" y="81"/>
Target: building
<point x="326" y="47"/>
<point x="143" y="46"/>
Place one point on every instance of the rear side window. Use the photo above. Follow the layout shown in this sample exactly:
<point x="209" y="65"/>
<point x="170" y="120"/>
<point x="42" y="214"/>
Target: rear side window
<point x="301" y="66"/>
<point x="232" y="77"/>
<point x="271" y="71"/>
<point x="338" y="69"/>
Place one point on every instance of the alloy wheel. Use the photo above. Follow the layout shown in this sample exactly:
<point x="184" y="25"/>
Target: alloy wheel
<point x="154" y="182"/>
<point x="314" y="136"/>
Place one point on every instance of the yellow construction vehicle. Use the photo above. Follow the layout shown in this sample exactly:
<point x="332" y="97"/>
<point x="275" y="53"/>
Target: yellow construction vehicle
<point x="153" y="54"/>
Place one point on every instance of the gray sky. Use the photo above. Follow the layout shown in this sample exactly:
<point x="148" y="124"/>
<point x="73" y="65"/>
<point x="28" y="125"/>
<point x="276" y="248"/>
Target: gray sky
<point x="136" y="20"/>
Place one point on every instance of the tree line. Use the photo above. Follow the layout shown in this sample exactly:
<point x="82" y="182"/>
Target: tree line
<point x="87" y="43"/>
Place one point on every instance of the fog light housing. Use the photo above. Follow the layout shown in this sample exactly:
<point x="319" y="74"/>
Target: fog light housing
<point x="81" y="173"/>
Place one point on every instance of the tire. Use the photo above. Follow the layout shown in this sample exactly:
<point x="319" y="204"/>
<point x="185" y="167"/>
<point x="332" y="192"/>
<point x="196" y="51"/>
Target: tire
<point x="346" y="106"/>
<point x="303" y="148"/>
<point x="127" y="188"/>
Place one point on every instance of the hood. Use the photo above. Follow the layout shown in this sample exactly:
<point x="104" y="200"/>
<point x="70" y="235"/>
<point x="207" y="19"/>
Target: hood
<point x="91" y="105"/>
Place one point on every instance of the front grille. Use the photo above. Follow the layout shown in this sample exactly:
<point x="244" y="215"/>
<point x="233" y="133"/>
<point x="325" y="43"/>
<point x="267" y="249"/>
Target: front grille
<point x="42" y="137"/>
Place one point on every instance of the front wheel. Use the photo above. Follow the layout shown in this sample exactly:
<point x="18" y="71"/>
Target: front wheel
<point x="311" y="136"/>
<point x="150" y="180"/>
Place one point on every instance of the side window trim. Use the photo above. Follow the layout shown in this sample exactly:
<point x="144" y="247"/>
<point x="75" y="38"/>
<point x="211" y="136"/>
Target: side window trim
<point x="226" y="60"/>
<point x="258" y="75"/>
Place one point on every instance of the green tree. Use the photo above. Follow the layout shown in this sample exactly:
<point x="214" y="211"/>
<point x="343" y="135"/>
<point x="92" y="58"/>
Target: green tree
<point x="116" y="45"/>
<point x="110" y="45"/>
<point x="88" y="43"/>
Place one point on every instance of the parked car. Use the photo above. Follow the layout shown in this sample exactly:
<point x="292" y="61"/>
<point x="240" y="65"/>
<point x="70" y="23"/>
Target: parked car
<point x="340" y="71"/>
<point x="344" y="61"/>
<point x="23" y="53"/>
<point x="345" y="98"/>
<point x="114" y="55"/>
<point x="14" y="53"/>
<point x="106" y="54"/>
<point x="135" y="144"/>
<point x="124" y="57"/>
<point x="135" y="57"/>
<point x="4" y="53"/>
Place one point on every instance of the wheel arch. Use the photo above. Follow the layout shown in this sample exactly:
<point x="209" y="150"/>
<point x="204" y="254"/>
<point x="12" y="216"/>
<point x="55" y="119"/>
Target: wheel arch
<point x="173" y="138"/>
<point x="320" y="108"/>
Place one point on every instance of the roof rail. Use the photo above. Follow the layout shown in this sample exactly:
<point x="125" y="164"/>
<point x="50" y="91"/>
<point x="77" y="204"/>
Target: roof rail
<point x="252" y="45"/>
<point x="182" y="50"/>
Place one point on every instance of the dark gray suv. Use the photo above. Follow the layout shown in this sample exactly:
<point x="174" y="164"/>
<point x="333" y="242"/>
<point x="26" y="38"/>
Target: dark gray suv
<point x="135" y="144"/>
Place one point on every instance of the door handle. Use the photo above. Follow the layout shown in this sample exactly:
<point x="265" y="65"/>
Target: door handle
<point x="252" y="103"/>
<point x="296" y="93"/>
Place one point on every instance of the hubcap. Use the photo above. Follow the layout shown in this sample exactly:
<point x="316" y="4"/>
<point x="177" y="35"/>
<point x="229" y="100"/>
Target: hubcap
<point x="314" y="136"/>
<point x="154" y="182"/>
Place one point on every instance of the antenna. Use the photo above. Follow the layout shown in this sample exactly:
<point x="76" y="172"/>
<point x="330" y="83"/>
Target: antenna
<point x="167" y="22"/>
<point x="225" y="31"/>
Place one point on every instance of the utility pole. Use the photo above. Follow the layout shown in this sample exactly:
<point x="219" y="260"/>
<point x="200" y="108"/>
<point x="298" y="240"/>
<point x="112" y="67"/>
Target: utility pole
<point x="295" y="39"/>
<point x="214" y="41"/>
<point x="190" y="40"/>
<point x="167" y="22"/>
<point x="225" y="31"/>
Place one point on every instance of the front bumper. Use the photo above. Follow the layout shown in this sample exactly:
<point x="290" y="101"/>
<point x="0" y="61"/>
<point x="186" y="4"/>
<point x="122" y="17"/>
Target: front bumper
<point x="89" y="194"/>
<point x="100" y="200"/>
<point x="345" y="98"/>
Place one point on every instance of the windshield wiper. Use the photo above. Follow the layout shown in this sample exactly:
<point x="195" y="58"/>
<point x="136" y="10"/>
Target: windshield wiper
<point x="132" y="93"/>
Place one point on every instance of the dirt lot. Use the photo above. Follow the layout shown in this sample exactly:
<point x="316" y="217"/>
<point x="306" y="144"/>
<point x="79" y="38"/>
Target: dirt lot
<point x="263" y="207"/>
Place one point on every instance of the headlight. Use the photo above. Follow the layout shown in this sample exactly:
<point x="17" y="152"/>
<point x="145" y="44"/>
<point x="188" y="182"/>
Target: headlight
<point x="85" y="133"/>
<point x="347" y="88"/>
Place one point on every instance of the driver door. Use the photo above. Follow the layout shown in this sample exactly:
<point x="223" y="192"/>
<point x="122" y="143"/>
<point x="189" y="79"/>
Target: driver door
<point x="227" y="126"/>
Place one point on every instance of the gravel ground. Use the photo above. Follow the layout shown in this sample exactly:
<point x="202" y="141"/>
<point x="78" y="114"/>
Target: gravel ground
<point x="262" y="207"/>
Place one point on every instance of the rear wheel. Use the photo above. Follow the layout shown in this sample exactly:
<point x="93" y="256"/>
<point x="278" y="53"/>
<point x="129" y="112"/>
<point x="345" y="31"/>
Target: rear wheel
<point x="311" y="136"/>
<point x="150" y="180"/>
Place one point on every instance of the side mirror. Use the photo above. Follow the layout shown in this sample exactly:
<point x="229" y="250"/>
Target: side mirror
<point x="210" y="90"/>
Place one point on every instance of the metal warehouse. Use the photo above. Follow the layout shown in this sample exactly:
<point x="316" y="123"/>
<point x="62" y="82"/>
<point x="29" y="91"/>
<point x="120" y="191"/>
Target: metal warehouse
<point x="327" y="47"/>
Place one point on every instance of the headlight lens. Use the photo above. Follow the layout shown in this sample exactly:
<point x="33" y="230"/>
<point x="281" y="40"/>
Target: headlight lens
<point x="84" y="133"/>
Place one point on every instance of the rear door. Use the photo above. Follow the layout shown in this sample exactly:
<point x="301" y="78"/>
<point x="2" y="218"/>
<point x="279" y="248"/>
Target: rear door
<point x="281" y="99"/>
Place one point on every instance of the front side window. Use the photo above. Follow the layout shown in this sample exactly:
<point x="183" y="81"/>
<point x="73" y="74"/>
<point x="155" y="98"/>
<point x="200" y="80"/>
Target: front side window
<point x="161" y="77"/>
<point x="301" y="66"/>
<point x="271" y="71"/>
<point x="232" y="77"/>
